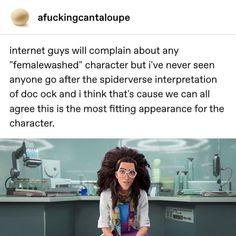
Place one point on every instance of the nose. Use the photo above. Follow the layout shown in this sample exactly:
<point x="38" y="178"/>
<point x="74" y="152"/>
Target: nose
<point x="126" y="176"/>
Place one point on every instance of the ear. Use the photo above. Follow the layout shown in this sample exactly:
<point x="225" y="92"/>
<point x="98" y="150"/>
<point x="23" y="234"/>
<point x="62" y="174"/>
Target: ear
<point x="116" y="174"/>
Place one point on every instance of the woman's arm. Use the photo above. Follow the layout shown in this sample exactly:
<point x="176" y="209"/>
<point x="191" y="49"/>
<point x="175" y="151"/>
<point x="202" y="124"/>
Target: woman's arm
<point x="142" y="231"/>
<point x="104" y="209"/>
<point x="144" y="215"/>
<point x="106" y="231"/>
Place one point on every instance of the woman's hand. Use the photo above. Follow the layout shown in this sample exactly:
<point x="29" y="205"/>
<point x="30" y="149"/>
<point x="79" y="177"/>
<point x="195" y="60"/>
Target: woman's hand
<point x="106" y="232"/>
<point x="142" y="231"/>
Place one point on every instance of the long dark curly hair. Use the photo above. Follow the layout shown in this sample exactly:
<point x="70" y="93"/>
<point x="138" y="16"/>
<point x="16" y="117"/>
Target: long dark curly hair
<point x="106" y="174"/>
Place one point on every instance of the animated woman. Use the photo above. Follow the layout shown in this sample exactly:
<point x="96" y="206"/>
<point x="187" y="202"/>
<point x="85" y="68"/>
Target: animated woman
<point x="123" y="182"/>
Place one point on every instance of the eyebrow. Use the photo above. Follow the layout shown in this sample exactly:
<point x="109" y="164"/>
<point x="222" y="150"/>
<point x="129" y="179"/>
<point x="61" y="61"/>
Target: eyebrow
<point x="125" y="169"/>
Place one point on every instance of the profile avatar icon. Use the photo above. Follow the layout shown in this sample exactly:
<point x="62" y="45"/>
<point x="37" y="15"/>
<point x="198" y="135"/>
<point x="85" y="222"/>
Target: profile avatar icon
<point x="20" y="17"/>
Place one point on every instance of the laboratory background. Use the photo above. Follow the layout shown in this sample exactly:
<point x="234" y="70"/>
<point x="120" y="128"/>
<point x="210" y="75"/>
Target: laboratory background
<point x="53" y="180"/>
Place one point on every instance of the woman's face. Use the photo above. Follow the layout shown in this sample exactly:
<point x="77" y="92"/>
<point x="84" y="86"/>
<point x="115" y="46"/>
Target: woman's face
<point x="125" y="175"/>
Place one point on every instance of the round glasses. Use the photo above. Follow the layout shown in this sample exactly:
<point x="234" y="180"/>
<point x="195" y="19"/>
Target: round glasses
<point x="130" y="173"/>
